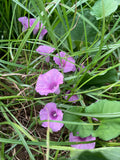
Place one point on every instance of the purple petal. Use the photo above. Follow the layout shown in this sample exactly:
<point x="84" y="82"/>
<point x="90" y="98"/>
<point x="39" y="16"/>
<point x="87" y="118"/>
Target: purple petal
<point x="57" y="59"/>
<point x="42" y="85"/>
<point x="24" y="22"/>
<point x="57" y="91"/>
<point x="95" y="119"/>
<point x="56" y="126"/>
<point x="47" y="113"/>
<point x="49" y="82"/>
<point x="65" y="63"/>
<point x="79" y="139"/>
<point x="37" y="27"/>
<point x="29" y="22"/>
<point x="35" y="31"/>
<point x="81" y="66"/>
<point x="43" y="32"/>
<point x="69" y="66"/>
<point x="45" y="50"/>
<point x="47" y="59"/>
<point x="73" y="98"/>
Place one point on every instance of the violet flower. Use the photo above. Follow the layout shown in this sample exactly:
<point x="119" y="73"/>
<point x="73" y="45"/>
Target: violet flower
<point x="50" y="112"/>
<point x="82" y="67"/>
<point x="95" y="119"/>
<point x="65" y="63"/>
<point x="29" y="22"/>
<point x="49" y="82"/>
<point x="79" y="139"/>
<point x="73" y="98"/>
<point x="45" y="50"/>
<point x="24" y="21"/>
<point x="43" y="32"/>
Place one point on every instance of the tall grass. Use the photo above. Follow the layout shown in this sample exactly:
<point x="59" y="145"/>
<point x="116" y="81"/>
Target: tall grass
<point x="20" y="65"/>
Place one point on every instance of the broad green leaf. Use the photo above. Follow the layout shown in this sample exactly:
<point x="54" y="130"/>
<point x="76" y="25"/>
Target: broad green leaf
<point x="105" y="153"/>
<point x="109" y="127"/>
<point x="84" y="128"/>
<point x="77" y="32"/>
<point x="118" y="1"/>
<point x="103" y="8"/>
<point x="108" y="77"/>
<point x="104" y="106"/>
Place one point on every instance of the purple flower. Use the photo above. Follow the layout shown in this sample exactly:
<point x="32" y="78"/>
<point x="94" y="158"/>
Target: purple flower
<point x="43" y="32"/>
<point x="45" y="50"/>
<point x="73" y="98"/>
<point x="68" y="63"/>
<point x="29" y="22"/>
<point x="51" y="112"/>
<point x="24" y="21"/>
<point x="49" y="82"/>
<point x="79" y="139"/>
<point x="82" y="67"/>
<point x="95" y="119"/>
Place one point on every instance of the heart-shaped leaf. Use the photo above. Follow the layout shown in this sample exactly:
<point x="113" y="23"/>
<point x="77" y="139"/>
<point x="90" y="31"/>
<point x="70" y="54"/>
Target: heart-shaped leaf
<point x="109" y="127"/>
<point x="84" y="129"/>
<point x="104" y="106"/>
<point x="118" y="1"/>
<point x="77" y="32"/>
<point x="108" y="77"/>
<point x="103" y="8"/>
<point x="105" y="153"/>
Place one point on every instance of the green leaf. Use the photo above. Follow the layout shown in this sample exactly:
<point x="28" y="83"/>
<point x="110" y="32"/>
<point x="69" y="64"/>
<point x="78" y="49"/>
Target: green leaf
<point x="104" y="106"/>
<point x="84" y="128"/>
<point x="77" y="32"/>
<point x="100" y="80"/>
<point x="109" y="127"/>
<point x="118" y="1"/>
<point x="103" y="8"/>
<point x="106" y="153"/>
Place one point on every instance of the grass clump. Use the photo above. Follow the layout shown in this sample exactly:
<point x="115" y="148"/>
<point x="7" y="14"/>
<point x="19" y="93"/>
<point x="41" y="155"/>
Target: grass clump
<point x="86" y="54"/>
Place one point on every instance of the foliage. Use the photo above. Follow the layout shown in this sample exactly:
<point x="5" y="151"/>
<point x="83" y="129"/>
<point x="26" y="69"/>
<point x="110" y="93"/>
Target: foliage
<point x="97" y="154"/>
<point x="88" y="33"/>
<point x="103" y="8"/>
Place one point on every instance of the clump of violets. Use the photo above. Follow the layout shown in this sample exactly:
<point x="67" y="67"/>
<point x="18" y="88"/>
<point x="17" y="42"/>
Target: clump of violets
<point x="65" y="62"/>
<point x="79" y="139"/>
<point x="29" y="22"/>
<point x="45" y="50"/>
<point x="49" y="82"/>
<point x="73" y="98"/>
<point x="51" y="112"/>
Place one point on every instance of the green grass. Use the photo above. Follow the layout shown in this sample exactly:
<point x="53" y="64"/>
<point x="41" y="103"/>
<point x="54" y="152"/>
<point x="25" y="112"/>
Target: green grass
<point x="20" y="65"/>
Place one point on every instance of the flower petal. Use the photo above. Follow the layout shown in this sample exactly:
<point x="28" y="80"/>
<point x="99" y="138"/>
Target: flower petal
<point x="49" y="82"/>
<point x="29" y="22"/>
<point x="79" y="139"/>
<point x="65" y="63"/>
<point x="46" y="113"/>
